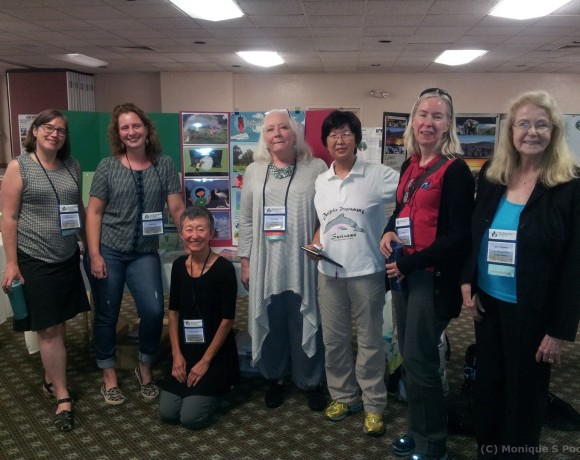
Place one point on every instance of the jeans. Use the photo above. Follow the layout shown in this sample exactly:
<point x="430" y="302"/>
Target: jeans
<point x="282" y="347"/>
<point x="142" y="273"/>
<point x="193" y="412"/>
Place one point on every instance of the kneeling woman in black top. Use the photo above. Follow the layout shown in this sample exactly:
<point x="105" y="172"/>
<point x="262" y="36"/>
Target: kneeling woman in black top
<point x="202" y="305"/>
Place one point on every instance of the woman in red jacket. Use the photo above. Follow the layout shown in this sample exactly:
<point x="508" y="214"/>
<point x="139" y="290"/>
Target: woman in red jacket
<point x="432" y="219"/>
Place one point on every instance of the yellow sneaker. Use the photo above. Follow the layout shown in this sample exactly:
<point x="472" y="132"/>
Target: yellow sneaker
<point x="373" y="425"/>
<point x="338" y="411"/>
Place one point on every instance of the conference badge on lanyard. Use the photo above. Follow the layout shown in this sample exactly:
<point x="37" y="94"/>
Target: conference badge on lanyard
<point x="275" y="222"/>
<point x="403" y="227"/>
<point x="501" y="252"/>
<point x="193" y="331"/>
<point x="70" y="220"/>
<point x="152" y="223"/>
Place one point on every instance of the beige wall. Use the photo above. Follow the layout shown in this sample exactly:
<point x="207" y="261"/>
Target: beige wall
<point x="201" y="92"/>
<point x="141" y="89"/>
<point x="225" y="91"/>
<point x="472" y="93"/>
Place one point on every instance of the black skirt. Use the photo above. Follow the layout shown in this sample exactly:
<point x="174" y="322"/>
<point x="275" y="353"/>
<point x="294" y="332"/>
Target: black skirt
<point x="54" y="292"/>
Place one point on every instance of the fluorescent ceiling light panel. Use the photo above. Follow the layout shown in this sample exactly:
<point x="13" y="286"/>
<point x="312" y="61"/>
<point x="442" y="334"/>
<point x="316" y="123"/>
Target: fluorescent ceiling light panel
<point x="80" y="59"/>
<point x="210" y="10"/>
<point x="261" y="58"/>
<point x="459" y="57"/>
<point x="526" y="9"/>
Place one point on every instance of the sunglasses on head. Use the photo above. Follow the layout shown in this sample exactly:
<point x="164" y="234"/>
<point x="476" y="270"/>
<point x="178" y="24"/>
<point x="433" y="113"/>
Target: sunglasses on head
<point x="438" y="91"/>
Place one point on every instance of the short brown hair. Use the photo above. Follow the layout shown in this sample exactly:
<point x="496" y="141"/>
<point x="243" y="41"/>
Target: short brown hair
<point x="43" y="118"/>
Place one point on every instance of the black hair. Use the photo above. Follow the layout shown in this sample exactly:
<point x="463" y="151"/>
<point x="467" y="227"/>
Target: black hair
<point x="340" y="118"/>
<point x="192" y="212"/>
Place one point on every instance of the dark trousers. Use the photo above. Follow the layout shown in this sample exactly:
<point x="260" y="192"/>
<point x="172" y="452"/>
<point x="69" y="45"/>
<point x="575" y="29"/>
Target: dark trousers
<point x="511" y="387"/>
<point x="419" y="331"/>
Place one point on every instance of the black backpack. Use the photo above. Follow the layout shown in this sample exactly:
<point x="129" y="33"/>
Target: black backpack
<point x="460" y="415"/>
<point x="559" y="415"/>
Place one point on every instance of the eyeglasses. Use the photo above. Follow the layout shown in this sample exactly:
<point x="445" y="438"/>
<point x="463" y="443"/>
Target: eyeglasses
<point x="438" y="91"/>
<point x="49" y="129"/>
<point x="345" y="135"/>
<point x="540" y="126"/>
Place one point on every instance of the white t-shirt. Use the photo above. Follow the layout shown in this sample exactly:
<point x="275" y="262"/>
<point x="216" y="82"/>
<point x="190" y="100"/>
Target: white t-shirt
<point x="351" y="212"/>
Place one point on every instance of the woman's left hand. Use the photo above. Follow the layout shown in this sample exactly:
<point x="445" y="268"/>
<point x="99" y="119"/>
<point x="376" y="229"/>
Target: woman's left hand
<point x="549" y="350"/>
<point x="197" y="372"/>
<point x="393" y="270"/>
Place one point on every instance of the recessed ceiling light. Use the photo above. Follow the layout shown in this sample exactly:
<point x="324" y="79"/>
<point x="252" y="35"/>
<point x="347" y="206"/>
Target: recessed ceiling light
<point x="261" y="58"/>
<point x="526" y="9"/>
<point x="80" y="59"/>
<point x="210" y="10"/>
<point x="459" y="57"/>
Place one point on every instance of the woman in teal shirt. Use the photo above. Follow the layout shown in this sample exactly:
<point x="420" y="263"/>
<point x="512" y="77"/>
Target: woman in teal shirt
<point x="521" y="283"/>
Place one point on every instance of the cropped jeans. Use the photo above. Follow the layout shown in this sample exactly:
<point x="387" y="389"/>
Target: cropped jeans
<point x="142" y="273"/>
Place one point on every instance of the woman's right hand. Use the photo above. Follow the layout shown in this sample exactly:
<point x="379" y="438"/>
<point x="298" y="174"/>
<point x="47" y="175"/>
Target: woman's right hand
<point x="11" y="273"/>
<point x="385" y="244"/>
<point x="178" y="369"/>
<point x="472" y="304"/>
<point x="98" y="267"/>
<point x="245" y="272"/>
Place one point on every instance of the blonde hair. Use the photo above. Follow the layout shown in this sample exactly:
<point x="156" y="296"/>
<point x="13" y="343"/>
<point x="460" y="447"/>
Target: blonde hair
<point x="449" y="141"/>
<point x="557" y="165"/>
<point x="302" y="150"/>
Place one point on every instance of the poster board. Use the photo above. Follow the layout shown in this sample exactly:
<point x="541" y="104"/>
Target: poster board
<point x="394" y="152"/>
<point x="205" y="163"/>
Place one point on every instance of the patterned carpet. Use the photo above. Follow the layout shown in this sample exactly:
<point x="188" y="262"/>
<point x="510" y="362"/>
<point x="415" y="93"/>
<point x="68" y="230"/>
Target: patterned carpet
<point x="243" y="428"/>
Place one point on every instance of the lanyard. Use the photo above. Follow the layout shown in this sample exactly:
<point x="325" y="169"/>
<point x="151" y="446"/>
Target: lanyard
<point x="194" y="287"/>
<point x="285" y="196"/>
<point x="135" y="179"/>
<point x="50" y="182"/>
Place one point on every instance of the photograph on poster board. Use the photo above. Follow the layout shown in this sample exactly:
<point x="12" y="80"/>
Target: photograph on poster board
<point x="210" y="192"/>
<point x="242" y="156"/>
<point x="204" y="128"/>
<point x="206" y="159"/>
<point x="477" y="134"/>
<point x="393" y="147"/>
<point x="222" y="225"/>
<point x="246" y="126"/>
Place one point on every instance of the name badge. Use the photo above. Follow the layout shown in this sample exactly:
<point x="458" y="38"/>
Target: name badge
<point x="507" y="271"/>
<point x="505" y="235"/>
<point x="275" y="222"/>
<point x="193" y="331"/>
<point x="69" y="218"/>
<point x="152" y="223"/>
<point x="501" y="252"/>
<point x="403" y="227"/>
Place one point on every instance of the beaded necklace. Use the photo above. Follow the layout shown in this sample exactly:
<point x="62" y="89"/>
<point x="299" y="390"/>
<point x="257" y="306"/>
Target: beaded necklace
<point x="281" y="173"/>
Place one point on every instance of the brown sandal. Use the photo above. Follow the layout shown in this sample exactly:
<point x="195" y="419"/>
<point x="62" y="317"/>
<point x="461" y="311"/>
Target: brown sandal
<point x="64" y="420"/>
